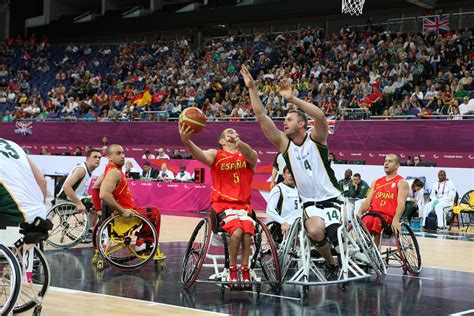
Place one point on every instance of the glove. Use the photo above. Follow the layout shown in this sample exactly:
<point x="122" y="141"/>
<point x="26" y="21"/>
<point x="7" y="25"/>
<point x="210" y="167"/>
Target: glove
<point x="96" y="199"/>
<point x="435" y="202"/>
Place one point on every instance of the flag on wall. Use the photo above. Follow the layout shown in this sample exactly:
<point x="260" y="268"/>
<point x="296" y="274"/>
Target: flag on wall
<point x="331" y="123"/>
<point x="437" y="24"/>
<point x="24" y="128"/>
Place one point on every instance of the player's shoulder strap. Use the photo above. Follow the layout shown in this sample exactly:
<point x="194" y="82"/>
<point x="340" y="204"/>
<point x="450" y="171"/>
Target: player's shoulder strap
<point x="280" y="201"/>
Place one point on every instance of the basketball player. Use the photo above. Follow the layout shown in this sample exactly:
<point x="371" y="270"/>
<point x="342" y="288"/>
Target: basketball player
<point x="77" y="183"/>
<point x="232" y="168"/>
<point x="22" y="186"/>
<point x="306" y="156"/>
<point x="386" y="198"/>
<point x="284" y="205"/>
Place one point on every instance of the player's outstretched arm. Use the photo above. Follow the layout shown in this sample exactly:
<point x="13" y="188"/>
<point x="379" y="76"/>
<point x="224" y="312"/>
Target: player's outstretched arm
<point x="207" y="157"/>
<point x="275" y="136"/>
<point x="320" y="131"/>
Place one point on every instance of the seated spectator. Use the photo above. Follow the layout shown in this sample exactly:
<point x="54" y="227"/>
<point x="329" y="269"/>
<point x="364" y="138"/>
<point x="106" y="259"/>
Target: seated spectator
<point x="129" y="168"/>
<point x="148" y="155"/>
<point x="45" y="151"/>
<point x="165" y="174"/>
<point x="176" y="154"/>
<point x="183" y="175"/>
<point x="467" y="107"/>
<point x="332" y="158"/>
<point x="161" y="154"/>
<point x="358" y="188"/>
<point x="149" y="172"/>
<point x="78" y="151"/>
<point x="346" y="182"/>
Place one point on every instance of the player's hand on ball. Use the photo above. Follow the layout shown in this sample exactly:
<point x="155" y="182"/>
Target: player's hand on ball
<point x="185" y="132"/>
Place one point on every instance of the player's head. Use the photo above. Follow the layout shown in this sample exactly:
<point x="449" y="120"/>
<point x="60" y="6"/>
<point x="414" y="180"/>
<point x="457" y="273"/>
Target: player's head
<point x="116" y="155"/>
<point x="417" y="185"/>
<point x="93" y="158"/>
<point x="391" y="164"/>
<point x="227" y="138"/>
<point x="295" y="122"/>
<point x="287" y="177"/>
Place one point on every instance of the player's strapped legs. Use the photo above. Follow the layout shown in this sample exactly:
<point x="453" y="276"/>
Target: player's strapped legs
<point x="230" y="220"/>
<point x="374" y="223"/>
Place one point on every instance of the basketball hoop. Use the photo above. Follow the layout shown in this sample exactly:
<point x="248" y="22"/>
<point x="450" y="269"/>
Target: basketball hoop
<point x="354" y="7"/>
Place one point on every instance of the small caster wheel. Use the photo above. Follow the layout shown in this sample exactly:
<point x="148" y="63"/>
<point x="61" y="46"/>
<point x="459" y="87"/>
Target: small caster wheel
<point x="100" y="265"/>
<point x="344" y="287"/>
<point x="37" y="310"/>
<point x="305" y="289"/>
<point x="95" y="258"/>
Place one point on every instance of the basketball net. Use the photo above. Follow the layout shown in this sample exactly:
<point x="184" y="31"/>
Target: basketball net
<point x="353" y="7"/>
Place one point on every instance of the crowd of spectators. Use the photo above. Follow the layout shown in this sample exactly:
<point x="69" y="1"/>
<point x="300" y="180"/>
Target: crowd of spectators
<point x="353" y="71"/>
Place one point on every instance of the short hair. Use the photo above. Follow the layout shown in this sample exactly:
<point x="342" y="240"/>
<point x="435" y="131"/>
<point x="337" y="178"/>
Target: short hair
<point x="285" y="169"/>
<point x="91" y="151"/>
<point x="357" y="175"/>
<point x="417" y="182"/>
<point x="396" y="158"/>
<point x="301" y="116"/>
<point x="109" y="148"/>
<point x="147" y="163"/>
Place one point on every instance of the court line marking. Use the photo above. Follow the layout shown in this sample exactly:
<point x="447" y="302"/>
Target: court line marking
<point x="148" y="303"/>
<point x="470" y="311"/>
<point x="410" y="276"/>
<point x="274" y="295"/>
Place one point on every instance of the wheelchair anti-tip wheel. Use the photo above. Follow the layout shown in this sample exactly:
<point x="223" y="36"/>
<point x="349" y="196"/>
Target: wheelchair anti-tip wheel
<point x="196" y="253"/>
<point x="409" y="250"/>
<point x="69" y="225"/>
<point x="10" y="280"/>
<point x="127" y="243"/>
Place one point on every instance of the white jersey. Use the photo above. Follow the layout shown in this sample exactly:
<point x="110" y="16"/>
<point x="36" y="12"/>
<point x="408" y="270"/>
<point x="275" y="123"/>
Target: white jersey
<point x="284" y="204"/>
<point x="311" y="170"/>
<point x="21" y="199"/>
<point x="81" y="186"/>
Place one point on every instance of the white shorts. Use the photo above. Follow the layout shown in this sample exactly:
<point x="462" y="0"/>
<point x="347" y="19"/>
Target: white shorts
<point x="330" y="214"/>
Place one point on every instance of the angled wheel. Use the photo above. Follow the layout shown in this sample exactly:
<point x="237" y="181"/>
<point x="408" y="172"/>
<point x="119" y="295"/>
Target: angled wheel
<point x="290" y="251"/>
<point x="196" y="253"/>
<point x="368" y="246"/>
<point x="33" y="292"/>
<point x="70" y="226"/>
<point x="10" y="280"/>
<point x="409" y="250"/>
<point x="267" y="258"/>
<point x="127" y="243"/>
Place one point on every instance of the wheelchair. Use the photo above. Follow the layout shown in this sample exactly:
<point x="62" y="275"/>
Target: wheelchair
<point x="126" y="243"/>
<point x="208" y="247"/>
<point x="399" y="250"/>
<point x="354" y="252"/>
<point x="29" y="278"/>
<point x="70" y="226"/>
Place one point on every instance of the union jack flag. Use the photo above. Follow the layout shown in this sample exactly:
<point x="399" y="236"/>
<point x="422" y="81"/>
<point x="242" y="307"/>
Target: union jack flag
<point x="24" y="128"/>
<point x="437" y="24"/>
<point x="331" y="124"/>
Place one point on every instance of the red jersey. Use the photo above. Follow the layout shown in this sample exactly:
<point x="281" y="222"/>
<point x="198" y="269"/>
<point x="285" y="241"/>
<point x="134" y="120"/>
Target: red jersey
<point x="231" y="179"/>
<point x="385" y="196"/>
<point x="122" y="193"/>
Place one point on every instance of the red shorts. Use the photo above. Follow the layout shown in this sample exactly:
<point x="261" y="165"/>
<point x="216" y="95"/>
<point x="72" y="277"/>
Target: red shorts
<point x="236" y="216"/>
<point x="374" y="224"/>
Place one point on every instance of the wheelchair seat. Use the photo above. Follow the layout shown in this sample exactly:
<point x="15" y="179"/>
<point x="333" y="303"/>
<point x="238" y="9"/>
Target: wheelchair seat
<point x="386" y="227"/>
<point x="217" y="218"/>
<point x="36" y="231"/>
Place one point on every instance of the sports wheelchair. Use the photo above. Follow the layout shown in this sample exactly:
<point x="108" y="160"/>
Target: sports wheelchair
<point x="25" y="273"/>
<point x="127" y="243"/>
<point x="70" y="225"/>
<point x="209" y="247"/>
<point x="399" y="249"/>
<point x="354" y="251"/>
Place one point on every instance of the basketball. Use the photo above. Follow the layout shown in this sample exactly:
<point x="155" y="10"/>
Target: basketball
<point x="194" y="118"/>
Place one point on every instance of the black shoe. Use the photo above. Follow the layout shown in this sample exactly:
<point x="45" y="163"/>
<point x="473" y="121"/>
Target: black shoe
<point x="87" y="239"/>
<point x="332" y="272"/>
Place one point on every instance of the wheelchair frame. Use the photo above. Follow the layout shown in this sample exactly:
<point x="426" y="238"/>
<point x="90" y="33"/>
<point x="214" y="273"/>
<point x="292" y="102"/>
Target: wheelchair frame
<point x="197" y="253"/>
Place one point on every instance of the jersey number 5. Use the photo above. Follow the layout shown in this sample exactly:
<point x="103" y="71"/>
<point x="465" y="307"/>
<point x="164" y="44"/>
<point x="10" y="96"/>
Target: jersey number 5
<point x="7" y="150"/>
<point x="236" y="177"/>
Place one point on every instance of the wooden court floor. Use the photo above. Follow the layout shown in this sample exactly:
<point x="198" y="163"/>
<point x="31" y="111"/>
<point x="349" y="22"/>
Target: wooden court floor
<point x="445" y="254"/>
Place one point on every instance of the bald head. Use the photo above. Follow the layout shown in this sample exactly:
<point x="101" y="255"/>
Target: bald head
<point x="116" y="155"/>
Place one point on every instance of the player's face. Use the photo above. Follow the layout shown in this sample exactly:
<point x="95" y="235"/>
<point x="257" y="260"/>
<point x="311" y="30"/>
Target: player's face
<point x="288" y="178"/>
<point x="117" y="156"/>
<point x="230" y="137"/>
<point x="94" y="159"/>
<point x="291" y="124"/>
<point x="390" y="164"/>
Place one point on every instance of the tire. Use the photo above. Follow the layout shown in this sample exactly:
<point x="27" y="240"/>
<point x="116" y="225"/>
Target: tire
<point x="267" y="258"/>
<point x="409" y="250"/>
<point x="10" y="273"/>
<point x="70" y="226"/>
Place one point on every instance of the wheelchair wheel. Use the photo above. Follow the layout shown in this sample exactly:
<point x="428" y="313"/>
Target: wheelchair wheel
<point x="70" y="226"/>
<point x="267" y="258"/>
<point x="291" y="248"/>
<point x="32" y="293"/>
<point x="10" y="280"/>
<point x="409" y="250"/>
<point x="368" y="246"/>
<point x="127" y="243"/>
<point x="196" y="253"/>
<point x="277" y="237"/>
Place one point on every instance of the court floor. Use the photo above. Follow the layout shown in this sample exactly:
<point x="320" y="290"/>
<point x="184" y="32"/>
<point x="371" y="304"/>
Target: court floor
<point x="445" y="286"/>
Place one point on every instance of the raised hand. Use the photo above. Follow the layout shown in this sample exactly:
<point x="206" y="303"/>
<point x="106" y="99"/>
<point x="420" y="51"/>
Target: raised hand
<point x="247" y="77"/>
<point x="286" y="90"/>
<point x="185" y="132"/>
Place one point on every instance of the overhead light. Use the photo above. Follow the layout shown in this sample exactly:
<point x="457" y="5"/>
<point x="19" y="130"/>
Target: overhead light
<point x="427" y="4"/>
